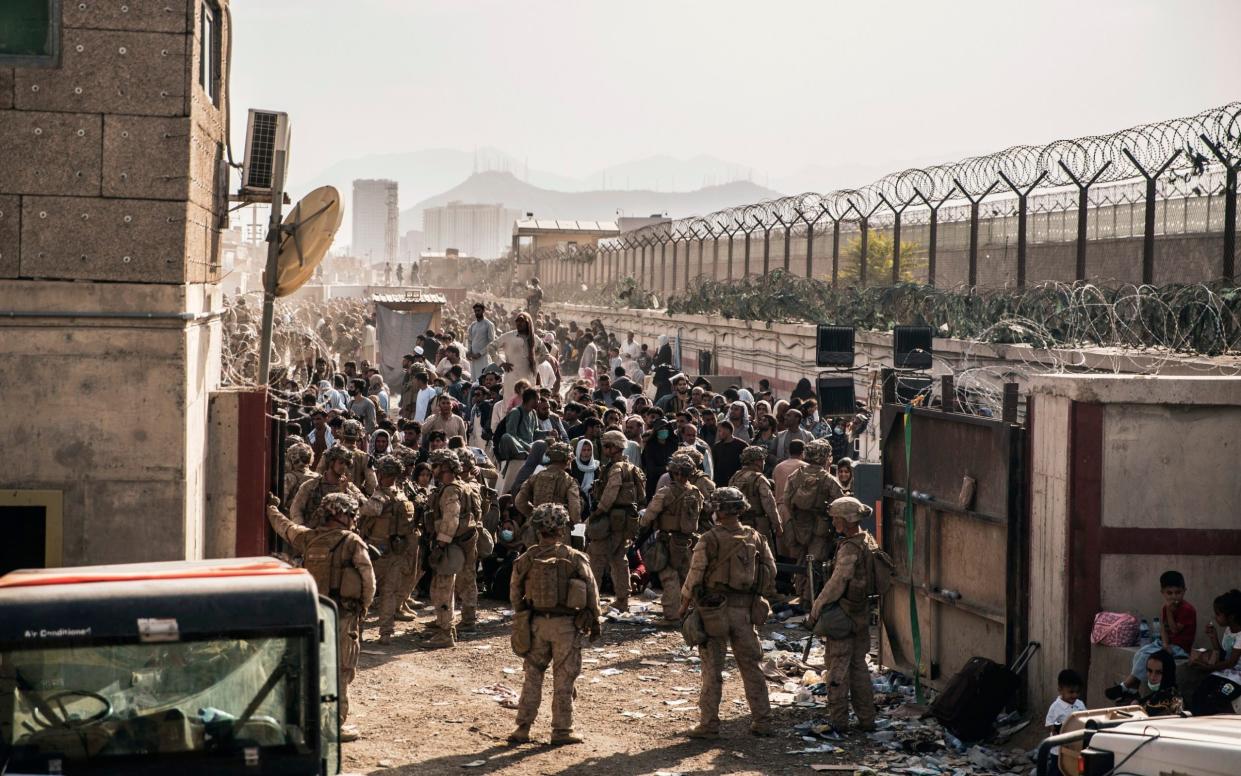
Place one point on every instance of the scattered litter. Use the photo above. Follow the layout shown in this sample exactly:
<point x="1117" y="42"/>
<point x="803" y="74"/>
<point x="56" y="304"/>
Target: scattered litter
<point x="668" y="773"/>
<point x="482" y="647"/>
<point x="820" y="749"/>
<point x="510" y="671"/>
<point x="782" y="699"/>
<point x="676" y="702"/>
<point x="611" y="672"/>
<point x="611" y="656"/>
<point x="474" y="764"/>
<point x="633" y="714"/>
<point x="822" y="768"/>
<point x="384" y="764"/>
<point x="500" y="693"/>
<point x="650" y="663"/>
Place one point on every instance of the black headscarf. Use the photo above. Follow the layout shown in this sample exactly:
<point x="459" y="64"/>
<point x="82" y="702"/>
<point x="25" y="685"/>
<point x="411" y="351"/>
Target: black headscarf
<point x="803" y="390"/>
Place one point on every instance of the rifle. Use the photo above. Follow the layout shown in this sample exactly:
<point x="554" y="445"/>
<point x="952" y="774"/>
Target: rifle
<point x="805" y="653"/>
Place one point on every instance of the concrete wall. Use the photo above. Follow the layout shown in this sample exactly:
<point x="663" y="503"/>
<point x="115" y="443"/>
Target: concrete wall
<point x="1131" y="476"/>
<point x="111" y="412"/>
<point x="111" y="198"/>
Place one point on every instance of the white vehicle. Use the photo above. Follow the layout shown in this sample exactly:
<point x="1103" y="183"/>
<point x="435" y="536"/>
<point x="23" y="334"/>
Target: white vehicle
<point x="1132" y="743"/>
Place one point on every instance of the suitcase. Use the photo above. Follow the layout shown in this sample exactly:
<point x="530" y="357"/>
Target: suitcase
<point x="977" y="694"/>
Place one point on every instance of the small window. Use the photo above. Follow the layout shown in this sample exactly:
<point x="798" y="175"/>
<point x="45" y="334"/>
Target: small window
<point x="209" y="53"/>
<point x="29" y="32"/>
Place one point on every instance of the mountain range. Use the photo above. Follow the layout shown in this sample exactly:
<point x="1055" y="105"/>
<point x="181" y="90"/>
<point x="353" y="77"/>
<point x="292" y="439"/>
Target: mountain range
<point x="506" y="188"/>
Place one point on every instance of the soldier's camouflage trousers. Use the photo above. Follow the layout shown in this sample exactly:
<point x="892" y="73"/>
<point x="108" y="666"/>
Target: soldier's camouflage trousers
<point x="467" y="581"/>
<point x="672" y="576"/>
<point x="392" y="573"/>
<point x="748" y="653"/>
<point x="556" y="642"/>
<point x="349" y="646"/>
<point x="849" y="677"/>
<point x="611" y="554"/>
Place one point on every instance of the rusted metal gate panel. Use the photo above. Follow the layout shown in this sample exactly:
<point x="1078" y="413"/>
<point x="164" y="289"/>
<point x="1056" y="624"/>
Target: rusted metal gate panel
<point x="969" y="551"/>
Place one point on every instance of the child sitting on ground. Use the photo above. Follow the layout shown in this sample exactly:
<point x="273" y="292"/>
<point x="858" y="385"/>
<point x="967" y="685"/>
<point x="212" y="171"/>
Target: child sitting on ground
<point x="1178" y="624"/>
<point x="1219" y="692"/>
<point x="1069" y="683"/>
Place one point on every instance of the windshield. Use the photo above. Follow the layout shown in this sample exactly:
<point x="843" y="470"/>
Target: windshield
<point x="102" y="701"/>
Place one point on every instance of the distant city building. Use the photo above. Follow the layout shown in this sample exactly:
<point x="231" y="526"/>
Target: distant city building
<point x="375" y="220"/>
<point x="476" y="230"/>
<point x="413" y="243"/>
<point x="630" y="223"/>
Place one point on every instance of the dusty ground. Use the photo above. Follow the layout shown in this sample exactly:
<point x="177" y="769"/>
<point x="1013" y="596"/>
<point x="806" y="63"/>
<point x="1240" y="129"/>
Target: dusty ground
<point x="419" y="712"/>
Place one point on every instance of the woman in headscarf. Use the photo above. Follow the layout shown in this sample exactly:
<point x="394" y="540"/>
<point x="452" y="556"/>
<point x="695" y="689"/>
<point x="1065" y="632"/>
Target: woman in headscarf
<point x="519" y="352"/>
<point x="663" y="354"/>
<point x="584" y="467"/>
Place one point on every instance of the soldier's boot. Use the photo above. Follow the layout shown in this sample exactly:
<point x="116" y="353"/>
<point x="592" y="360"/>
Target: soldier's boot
<point x="385" y="638"/>
<point x="405" y="615"/>
<point x="761" y="729"/>
<point x="469" y="618"/>
<point x="441" y="638"/>
<point x="703" y="731"/>
<point x="621" y="605"/>
<point x="866" y="727"/>
<point x="565" y="738"/>
<point x="520" y="735"/>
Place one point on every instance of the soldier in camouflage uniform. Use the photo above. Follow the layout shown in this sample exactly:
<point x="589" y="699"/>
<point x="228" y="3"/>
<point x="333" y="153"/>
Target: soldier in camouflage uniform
<point x="387" y="523"/>
<point x="297" y="459"/>
<point x="614" y="522"/>
<point x="360" y="472"/>
<point x="338" y="560"/>
<point x="705" y="485"/>
<point x="553" y="583"/>
<point x="454" y="537"/>
<point x="676" y="512"/>
<point x="807" y="496"/>
<point x="553" y="485"/>
<point x="762" y="515"/>
<point x="420" y="497"/>
<point x="850" y="586"/>
<point x="729" y="576"/>
<point x="334" y="479"/>
<point x="467" y="581"/>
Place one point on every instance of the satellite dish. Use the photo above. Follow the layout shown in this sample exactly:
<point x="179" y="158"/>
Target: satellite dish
<point x="307" y="233"/>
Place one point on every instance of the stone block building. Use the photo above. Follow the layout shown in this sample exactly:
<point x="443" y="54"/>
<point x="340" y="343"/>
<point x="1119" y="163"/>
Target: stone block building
<point x="113" y="192"/>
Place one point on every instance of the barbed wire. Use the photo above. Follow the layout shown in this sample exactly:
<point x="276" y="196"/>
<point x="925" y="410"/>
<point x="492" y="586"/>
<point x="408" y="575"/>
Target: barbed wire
<point x="1180" y="147"/>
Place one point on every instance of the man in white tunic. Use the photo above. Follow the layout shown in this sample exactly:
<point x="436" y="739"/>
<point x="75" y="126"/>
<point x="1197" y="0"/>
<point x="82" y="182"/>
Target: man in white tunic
<point x="519" y="352"/>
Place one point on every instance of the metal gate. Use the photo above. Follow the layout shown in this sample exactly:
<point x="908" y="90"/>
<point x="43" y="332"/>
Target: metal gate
<point x="964" y="485"/>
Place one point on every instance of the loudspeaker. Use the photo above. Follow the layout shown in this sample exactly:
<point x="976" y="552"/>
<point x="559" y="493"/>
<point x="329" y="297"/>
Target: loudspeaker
<point x="835" y="346"/>
<point x="911" y="347"/>
<point x="836" y="396"/>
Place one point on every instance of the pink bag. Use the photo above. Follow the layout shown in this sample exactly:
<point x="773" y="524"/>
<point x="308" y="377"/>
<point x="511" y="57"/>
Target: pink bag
<point x="1115" y="629"/>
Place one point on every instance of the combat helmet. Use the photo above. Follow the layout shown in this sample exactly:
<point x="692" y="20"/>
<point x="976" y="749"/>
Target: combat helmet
<point x="446" y="458"/>
<point x="681" y="464"/>
<point x="299" y="455"/>
<point x="849" y="508"/>
<point x="615" y="438"/>
<point x="337" y="453"/>
<point x="818" y="452"/>
<point x="339" y="503"/>
<point x="729" y="500"/>
<point x="389" y="466"/>
<point x="549" y="518"/>
<point x="559" y="451"/>
<point x="351" y="429"/>
<point x="753" y="453"/>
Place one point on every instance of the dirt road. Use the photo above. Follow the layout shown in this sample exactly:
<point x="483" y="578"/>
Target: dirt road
<point x="420" y="712"/>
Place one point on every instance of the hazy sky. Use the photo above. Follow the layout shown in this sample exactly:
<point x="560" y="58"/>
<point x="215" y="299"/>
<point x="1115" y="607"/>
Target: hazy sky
<point x="578" y="85"/>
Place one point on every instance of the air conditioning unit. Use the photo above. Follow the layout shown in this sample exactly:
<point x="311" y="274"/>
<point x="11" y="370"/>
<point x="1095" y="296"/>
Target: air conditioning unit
<point x="266" y="133"/>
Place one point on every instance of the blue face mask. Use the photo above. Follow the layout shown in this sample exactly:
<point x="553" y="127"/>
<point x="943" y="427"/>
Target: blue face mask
<point x="1154" y="686"/>
<point x="663" y="435"/>
<point x="506" y="536"/>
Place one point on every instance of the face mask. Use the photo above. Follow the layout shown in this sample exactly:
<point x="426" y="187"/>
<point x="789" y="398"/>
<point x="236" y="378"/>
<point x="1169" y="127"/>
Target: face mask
<point x="663" y="435"/>
<point x="1154" y="686"/>
<point x="838" y="430"/>
<point x="506" y="536"/>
